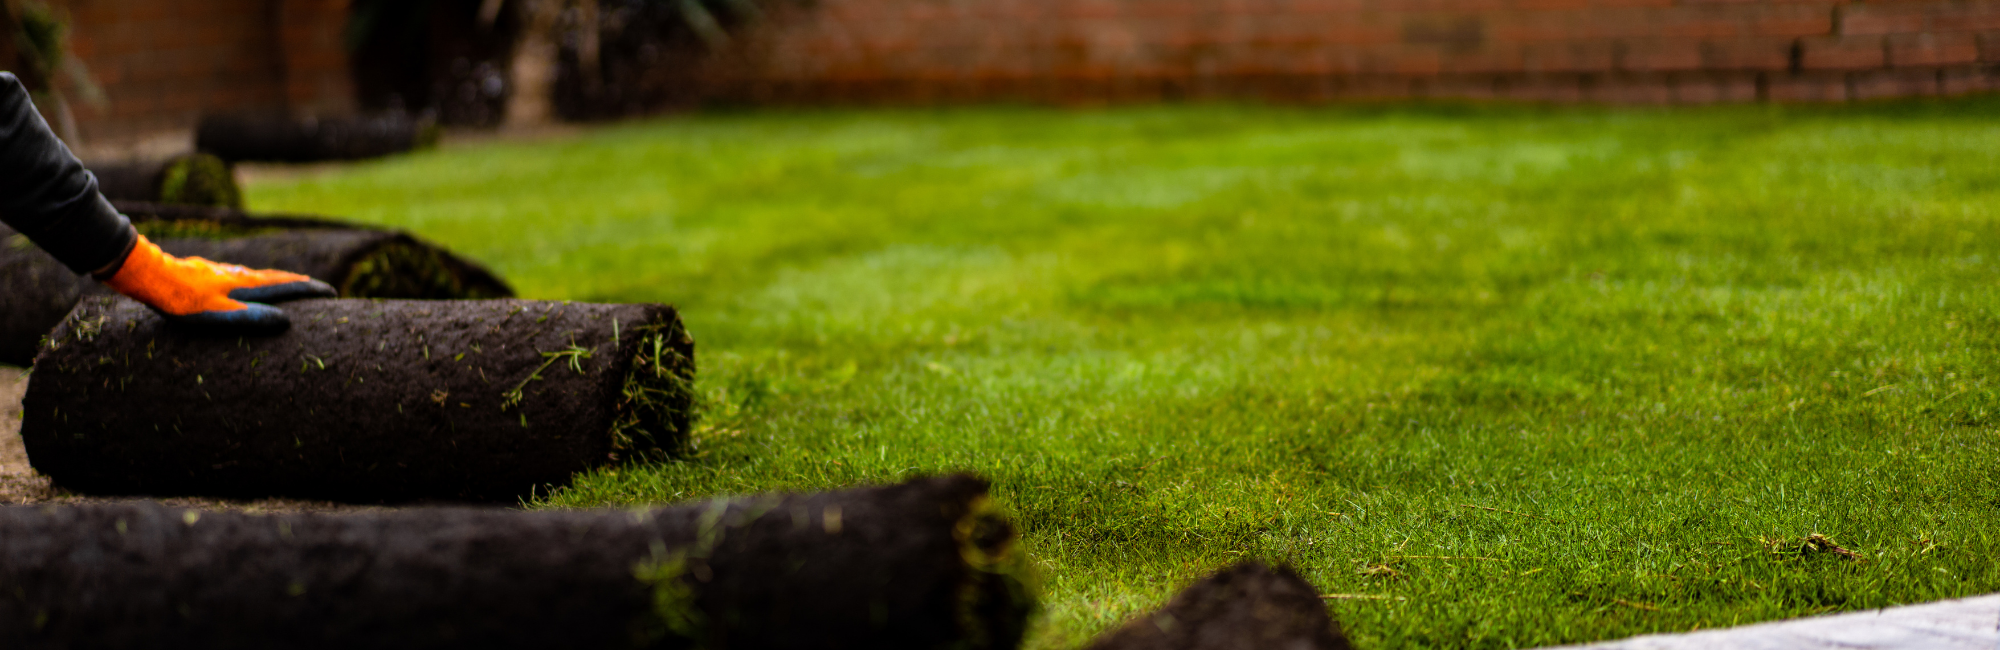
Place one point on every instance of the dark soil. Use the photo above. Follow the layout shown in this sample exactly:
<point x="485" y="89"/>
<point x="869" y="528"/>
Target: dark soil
<point x="361" y="401"/>
<point x="917" y="565"/>
<point x="36" y="291"/>
<point x="283" y="138"/>
<point x="20" y="484"/>
<point x="1250" y="606"/>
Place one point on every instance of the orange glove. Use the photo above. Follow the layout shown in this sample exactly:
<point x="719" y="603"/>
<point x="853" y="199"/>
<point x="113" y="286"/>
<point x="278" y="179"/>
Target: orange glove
<point x="208" y="295"/>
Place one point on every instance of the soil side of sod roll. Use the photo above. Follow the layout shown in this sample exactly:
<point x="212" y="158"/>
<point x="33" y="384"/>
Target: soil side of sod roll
<point x="35" y="290"/>
<point x="35" y="293"/>
<point x="1249" y="606"/>
<point x="283" y="138"/>
<point x="925" y="564"/>
<point x="361" y="401"/>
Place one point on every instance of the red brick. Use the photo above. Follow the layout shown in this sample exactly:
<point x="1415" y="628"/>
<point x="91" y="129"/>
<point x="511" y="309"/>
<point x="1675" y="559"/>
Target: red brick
<point x="1989" y="47"/>
<point x="1893" y="83"/>
<point x="1373" y="88"/>
<point x="1544" y="89"/>
<point x="1965" y="79"/>
<point x="1325" y="7"/>
<point x="1491" y="59"/>
<point x="1660" y="56"/>
<point x="1534" y="5"/>
<point x="1932" y="49"/>
<point x="1842" y="53"/>
<point x="1454" y="88"/>
<point x="1807" y="88"/>
<point x="1597" y="56"/>
<point x="1404" y="61"/>
<point x="1715" y="89"/>
<point x="1613" y="23"/>
<point x="1791" y="20"/>
<point x="1748" y="54"/>
<point x="1696" y="22"/>
<point x="1528" y="27"/>
<point x="1967" y="17"/>
<point x="1696" y="91"/>
<point x="1858" y="19"/>
<point x="1648" y="90"/>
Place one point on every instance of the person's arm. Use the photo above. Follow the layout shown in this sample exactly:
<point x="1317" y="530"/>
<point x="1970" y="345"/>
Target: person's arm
<point x="46" y="194"/>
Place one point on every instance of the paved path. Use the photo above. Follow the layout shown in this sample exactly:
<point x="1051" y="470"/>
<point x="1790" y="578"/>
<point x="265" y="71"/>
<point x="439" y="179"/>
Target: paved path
<point x="1964" y="624"/>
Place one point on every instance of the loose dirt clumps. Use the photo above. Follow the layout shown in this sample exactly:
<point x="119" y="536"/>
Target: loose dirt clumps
<point x="18" y="481"/>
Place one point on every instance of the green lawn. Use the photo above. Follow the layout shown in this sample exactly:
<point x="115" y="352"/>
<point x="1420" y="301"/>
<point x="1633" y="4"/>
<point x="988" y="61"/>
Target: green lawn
<point x="1666" y="346"/>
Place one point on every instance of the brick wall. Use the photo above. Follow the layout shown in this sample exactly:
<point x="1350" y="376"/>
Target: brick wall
<point x="162" y="63"/>
<point x="1619" y="51"/>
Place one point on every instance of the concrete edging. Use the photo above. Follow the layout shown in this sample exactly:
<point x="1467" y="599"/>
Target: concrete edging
<point x="1962" y="624"/>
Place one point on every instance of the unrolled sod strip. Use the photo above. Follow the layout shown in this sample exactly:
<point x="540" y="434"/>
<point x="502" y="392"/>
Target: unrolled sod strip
<point x="35" y="291"/>
<point x="925" y="564"/>
<point x="360" y="401"/>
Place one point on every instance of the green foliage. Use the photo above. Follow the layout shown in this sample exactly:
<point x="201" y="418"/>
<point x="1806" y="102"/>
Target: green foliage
<point x="1663" y="347"/>
<point x="44" y="38"/>
<point x="656" y="390"/>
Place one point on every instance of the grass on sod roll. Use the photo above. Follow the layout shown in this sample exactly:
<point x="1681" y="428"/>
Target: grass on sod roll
<point x="1493" y="376"/>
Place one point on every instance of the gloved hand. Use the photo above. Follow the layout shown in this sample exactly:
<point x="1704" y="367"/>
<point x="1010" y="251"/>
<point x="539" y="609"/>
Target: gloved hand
<point x="219" y="298"/>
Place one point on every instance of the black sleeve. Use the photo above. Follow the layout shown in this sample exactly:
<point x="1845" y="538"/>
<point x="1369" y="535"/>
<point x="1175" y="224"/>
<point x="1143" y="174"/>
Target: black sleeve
<point x="47" y="195"/>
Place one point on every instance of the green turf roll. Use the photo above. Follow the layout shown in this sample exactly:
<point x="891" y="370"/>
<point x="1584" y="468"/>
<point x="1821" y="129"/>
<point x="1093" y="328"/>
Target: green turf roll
<point x="1249" y="606"/>
<point x="921" y="565"/>
<point x="189" y="179"/>
<point x="281" y="138"/>
<point x="361" y="262"/>
<point x="360" y="401"/>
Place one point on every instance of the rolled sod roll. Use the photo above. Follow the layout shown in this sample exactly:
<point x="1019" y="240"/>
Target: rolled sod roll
<point x="361" y="262"/>
<point x="925" y="564"/>
<point x="1249" y="606"/>
<point x="282" y="138"/>
<point x="189" y="179"/>
<point x="361" y="401"/>
<point x="35" y="290"/>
